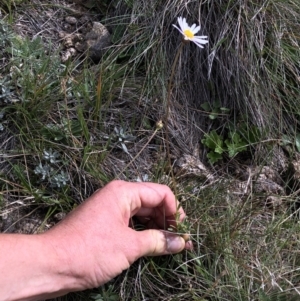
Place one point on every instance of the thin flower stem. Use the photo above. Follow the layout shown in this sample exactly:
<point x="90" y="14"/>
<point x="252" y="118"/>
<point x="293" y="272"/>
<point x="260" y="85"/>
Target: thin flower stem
<point x="170" y="86"/>
<point x="172" y="78"/>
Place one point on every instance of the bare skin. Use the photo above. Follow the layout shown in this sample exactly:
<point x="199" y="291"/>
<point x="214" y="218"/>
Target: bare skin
<point x="92" y="245"/>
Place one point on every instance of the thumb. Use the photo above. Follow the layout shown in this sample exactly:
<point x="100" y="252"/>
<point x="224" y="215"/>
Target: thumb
<point x="156" y="242"/>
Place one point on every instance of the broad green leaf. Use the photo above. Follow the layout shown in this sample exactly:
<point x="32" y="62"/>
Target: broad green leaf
<point x="205" y="106"/>
<point x="213" y="157"/>
<point x="214" y="142"/>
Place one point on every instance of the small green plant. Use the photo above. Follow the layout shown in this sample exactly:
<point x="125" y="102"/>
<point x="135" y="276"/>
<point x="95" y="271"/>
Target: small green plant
<point x="288" y="141"/>
<point x="49" y="172"/>
<point x="33" y="73"/>
<point x="235" y="144"/>
<point x="106" y="294"/>
<point x="183" y="228"/>
<point x="215" y="143"/>
<point x="236" y="141"/>
<point x="5" y="36"/>
<point x="62" y="131"/>
<point x="120" y="137"/>
<point x="215" y="110"/>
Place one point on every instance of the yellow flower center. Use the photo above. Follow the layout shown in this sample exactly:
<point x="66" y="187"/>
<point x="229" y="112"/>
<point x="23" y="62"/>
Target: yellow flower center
<point x="188" y="33"/>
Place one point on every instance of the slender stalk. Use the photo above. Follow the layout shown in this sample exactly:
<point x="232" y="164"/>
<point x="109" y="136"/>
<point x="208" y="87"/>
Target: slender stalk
<point x="170" y="86"/>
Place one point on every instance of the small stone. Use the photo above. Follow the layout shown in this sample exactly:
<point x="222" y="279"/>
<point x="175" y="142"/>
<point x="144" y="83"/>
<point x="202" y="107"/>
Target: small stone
<point x="72" y="51"/>
<point x="68" y="42"/>
<point x="296" y="167"/>
<point x="59" y="216"/>
<point x="79" y="47"/>
<point x="191" y="165"/>
<point x="78" y="37"/>
<point x="84" y="19"/>
<point x="97" y="40"/>
<point x="274" y="201"/>
<point x="71" y="20"/>
<point x="62" y="34"/>
<point x="67" y="26"/>
<point x="68" y="54"/>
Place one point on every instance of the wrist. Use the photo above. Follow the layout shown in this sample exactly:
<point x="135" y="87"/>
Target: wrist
<point x="60" y="267"/>
<point x="34" y="268"/>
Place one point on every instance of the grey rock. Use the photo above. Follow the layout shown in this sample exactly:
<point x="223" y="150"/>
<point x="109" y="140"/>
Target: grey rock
<point x="97" y="40"/>
<point x="71" y="20"/>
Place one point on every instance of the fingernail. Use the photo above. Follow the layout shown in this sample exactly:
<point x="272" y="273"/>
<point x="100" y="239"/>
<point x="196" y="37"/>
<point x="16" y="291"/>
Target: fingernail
<point x="175" y="243"/>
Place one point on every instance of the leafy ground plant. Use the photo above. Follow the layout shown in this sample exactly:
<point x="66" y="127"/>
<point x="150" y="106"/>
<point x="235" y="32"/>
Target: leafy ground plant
<point x="70" y="127"/>
<point x="237" y="140"/>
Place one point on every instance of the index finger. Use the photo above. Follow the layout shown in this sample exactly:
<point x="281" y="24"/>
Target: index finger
<point x="155" y="196"/>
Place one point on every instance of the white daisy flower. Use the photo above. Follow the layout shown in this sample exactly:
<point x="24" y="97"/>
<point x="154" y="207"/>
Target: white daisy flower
<point x="189" y="32"/>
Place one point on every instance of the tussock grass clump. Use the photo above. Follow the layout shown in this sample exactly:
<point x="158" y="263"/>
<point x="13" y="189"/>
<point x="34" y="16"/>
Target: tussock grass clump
<point x="249" y="67"/>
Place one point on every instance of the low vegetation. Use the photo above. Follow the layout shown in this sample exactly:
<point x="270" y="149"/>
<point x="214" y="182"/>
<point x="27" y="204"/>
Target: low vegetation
<point x="220" y="125"/>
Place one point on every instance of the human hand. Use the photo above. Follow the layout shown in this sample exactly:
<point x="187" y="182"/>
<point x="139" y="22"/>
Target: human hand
<point x="95" y="239"/>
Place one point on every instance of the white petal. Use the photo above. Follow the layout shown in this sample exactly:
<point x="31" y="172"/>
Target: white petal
<point x="196" y="29"/>
<point x="184" y="24"/>
<point x="199" y="40"/>
<point x="180" y="22"/>
<point x="193" y="27"/>
<point x="178" y="29"/>
<point x="199" y="45"/>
